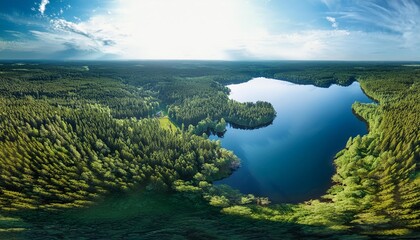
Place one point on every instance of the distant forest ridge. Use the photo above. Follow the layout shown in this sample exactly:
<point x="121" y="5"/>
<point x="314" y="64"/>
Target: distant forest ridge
<point x="74" y="132"/>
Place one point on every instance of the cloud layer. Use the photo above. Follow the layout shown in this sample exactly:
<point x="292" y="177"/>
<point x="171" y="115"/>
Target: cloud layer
<point x="228" y="30"/>
<point x="333" y="22"/>
<point x="42" y="6"/>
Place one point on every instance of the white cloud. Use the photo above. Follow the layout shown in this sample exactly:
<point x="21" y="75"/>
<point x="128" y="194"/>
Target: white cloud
<point x="218" y="29"/>
<point x="96" y="34"/>
<point x="186" y="29"/>
<point x="314" y="44"/>
<point x="42" y="6"/>
<point x="399" y="17"/>
<point x="333" y="21"/>
<point x="64" y="41"/>
<point x="212" y="29"/>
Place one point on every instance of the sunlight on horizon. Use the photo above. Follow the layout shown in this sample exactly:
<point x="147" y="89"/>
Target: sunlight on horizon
<point x="185" y="29"/>
<point x="210" y="29"/>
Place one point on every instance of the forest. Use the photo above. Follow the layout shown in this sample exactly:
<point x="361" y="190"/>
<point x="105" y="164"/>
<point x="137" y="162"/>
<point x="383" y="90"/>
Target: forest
<point x="76" y="135"/>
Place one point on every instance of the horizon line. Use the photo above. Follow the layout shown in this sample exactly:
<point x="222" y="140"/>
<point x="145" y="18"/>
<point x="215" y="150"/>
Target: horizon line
<point x="196" y="60"/>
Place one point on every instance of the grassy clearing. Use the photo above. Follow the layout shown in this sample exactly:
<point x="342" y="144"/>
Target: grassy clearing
<point x="166" y="123"/>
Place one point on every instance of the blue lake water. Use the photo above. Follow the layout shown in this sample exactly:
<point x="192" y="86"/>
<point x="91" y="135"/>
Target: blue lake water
<point x="292" y="159"/>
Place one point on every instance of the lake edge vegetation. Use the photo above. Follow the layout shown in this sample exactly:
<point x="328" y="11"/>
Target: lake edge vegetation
<point x="376" y="187"/>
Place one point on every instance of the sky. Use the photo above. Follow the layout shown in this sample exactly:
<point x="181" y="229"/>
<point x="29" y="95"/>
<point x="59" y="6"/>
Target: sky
<point x="378" y="30"/>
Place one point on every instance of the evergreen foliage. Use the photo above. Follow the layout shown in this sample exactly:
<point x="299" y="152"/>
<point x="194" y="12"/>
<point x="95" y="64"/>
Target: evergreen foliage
<point x="69" y="136"/>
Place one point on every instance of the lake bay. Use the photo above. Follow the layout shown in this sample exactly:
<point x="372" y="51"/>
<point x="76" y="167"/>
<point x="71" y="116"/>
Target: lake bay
<point x="291" y="160"/>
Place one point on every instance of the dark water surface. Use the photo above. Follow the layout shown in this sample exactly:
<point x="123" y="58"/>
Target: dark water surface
<point x="292" y="159"/>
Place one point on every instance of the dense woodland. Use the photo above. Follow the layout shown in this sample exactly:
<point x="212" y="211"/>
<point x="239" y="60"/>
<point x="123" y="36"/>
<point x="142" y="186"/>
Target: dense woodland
<point x="74" y="133"/>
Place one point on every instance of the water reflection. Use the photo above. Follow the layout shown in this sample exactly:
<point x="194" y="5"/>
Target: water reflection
<point x="291" y="160"/>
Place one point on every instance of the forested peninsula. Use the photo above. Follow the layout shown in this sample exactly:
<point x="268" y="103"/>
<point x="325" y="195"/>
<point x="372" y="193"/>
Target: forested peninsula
<point x="74" y="135"/>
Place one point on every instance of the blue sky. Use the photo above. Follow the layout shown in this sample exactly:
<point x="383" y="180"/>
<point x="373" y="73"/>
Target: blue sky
<point x="210" y="29"/>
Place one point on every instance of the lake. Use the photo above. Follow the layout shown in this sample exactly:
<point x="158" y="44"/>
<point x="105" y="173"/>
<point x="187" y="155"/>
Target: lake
<point x="291" y="160"/>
